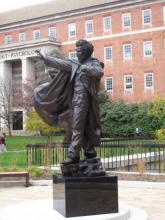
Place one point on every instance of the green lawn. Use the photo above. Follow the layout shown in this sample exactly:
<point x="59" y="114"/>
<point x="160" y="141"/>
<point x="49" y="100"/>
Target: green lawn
<point x="15" y="157"/>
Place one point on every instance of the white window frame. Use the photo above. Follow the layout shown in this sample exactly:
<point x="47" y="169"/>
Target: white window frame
<point x="72" y="30"/>
<point x="143" y="17"/>
<point x="145" y="80"/>
<point x="72" y="55"/>
<point x="8" y="39"/>
<point x="52" y="32"/>
<point x="88" y="22"/>
<point x="105" y="53"/>
<point x="145" y="51"/>
<point x="125" y="57"/>
<point x="124" y="16"/>
<point x="164" y="14"/>
<point x="22" y="36"/>
<point x="105" y="21"/>
<point x="106" y="84"/>
<point x="34" y="34"/>
<point x="127" y="83"/>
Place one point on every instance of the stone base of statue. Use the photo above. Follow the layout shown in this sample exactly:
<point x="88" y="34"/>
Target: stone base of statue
<point x="42" y="210"/>
<point x="84" y="196"/>
<point x="86" y="167"/>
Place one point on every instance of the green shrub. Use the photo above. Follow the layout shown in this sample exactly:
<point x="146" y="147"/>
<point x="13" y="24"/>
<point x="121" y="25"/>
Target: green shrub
<point x="119" y="119"/>
<point x="160" y="134"/>
<point x="35" y="171"/>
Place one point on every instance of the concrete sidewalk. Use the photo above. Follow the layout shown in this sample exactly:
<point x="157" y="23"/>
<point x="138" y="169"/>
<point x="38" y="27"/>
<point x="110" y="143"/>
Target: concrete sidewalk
<point x="149" y="196"/>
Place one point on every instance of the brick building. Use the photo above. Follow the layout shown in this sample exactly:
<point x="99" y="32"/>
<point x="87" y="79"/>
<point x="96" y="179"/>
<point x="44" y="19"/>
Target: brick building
<point x="128" y="36"/>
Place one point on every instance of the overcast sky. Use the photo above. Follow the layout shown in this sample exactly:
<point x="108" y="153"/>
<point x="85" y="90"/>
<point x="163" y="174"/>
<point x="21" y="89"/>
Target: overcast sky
<point x="6" y="5"/>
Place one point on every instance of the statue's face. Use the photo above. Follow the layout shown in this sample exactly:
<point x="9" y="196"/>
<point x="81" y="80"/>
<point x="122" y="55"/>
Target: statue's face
<point x="81" y="54"/>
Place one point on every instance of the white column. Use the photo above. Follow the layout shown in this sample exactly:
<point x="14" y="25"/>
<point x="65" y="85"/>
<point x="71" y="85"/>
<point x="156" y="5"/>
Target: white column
<point x="28" y="71"/>
<point x="1" y="77"/>
<point x="24" y="119"/>
<point x="5" y="71"/>
<point x="28" y="76"/>
<point x="2" y="66"/>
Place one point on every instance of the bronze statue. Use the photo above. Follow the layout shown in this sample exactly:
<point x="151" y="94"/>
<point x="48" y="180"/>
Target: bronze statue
<point x="82" y="79"/>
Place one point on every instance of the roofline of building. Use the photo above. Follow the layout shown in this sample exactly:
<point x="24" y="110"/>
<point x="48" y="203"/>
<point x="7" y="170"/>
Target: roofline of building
<point x="78" y="12"/>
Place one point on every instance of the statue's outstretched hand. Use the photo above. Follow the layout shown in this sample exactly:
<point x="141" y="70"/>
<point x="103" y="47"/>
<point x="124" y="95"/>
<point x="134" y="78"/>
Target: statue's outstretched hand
<point x="40" y="53"/>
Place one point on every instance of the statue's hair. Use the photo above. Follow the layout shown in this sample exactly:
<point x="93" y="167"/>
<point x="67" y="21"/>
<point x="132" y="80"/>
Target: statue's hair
<point x="86" y="45"/>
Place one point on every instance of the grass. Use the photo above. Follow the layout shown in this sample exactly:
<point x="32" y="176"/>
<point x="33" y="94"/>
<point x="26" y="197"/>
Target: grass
<point x="20" y="142"/>
<point x="15" y="157"/>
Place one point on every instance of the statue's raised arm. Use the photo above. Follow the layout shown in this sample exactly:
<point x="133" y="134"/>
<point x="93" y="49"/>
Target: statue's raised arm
<point x="52" y="61"/>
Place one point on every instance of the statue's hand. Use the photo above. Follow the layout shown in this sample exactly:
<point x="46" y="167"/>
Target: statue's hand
<point x="40" y="53"/>
<point x="83" y="68"/>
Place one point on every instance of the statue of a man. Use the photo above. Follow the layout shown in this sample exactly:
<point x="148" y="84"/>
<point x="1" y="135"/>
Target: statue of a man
<point x="85" y="74"/>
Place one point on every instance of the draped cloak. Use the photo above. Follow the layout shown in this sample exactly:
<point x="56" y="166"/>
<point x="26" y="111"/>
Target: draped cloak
<point x="51" y="100"/>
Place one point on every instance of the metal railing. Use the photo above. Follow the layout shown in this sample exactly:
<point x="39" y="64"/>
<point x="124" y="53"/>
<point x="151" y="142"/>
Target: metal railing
<point x="116" y="154"/>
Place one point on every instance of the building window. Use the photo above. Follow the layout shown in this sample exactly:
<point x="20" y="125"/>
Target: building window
<point x="52" y="32"/>
<point x="107" y="23"/>
<point x="126" y="20"/>
<point x="148" y="80"/>
<point x="8" y="39"/>
<point x="109" y="84"/>
<point x="107" y="53"/>
<point x="147" y="47"/>
<point x="36" y="34"/>
<point x="17" y="120"/>
<point x="89" y="27"/>
<point x="147" y="16"/>
<point x="22" y="36"/>
<point x="72" y="55"/>
<point x="128" y="82"/>
<point x="127" y="51"/>
<point x="72" y="30"/>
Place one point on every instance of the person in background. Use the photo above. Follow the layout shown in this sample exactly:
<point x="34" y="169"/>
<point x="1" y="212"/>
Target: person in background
<point x="138" y="132"/>
<point x="2" y="143"/>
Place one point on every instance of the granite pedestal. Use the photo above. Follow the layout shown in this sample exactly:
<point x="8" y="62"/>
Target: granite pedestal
<point x="84" y="196"/>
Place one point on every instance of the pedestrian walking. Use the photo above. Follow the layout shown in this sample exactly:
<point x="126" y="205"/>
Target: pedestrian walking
<point x="2" y="143"/>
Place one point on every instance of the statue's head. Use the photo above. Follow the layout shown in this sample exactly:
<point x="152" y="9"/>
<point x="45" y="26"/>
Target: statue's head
<point x="84" y="50"/>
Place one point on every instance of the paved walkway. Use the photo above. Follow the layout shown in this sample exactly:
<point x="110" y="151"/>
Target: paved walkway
<point x="146" y="195"/>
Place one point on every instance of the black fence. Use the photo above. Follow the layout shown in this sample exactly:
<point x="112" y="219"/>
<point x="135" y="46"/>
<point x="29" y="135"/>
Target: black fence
<point x="116" y="154"/>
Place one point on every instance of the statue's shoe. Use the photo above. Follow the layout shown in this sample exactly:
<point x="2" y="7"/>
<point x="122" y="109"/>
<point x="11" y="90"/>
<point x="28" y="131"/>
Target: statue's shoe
<point x="69" y="161"/>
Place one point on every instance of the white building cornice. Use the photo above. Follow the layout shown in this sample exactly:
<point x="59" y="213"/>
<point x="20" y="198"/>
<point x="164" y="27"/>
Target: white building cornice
<point x="29" y="44"/>
<point x="27" y="49"/>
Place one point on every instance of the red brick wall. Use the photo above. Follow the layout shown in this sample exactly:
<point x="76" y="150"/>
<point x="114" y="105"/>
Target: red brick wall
<point x="138" y="66"/>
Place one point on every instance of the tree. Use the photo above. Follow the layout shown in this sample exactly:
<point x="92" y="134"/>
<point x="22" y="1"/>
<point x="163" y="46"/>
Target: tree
<point x="14" y="95"/>
<point x="157" y="109"/>
<point x="35" y="123"/>
<point x="9" y="99"/>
